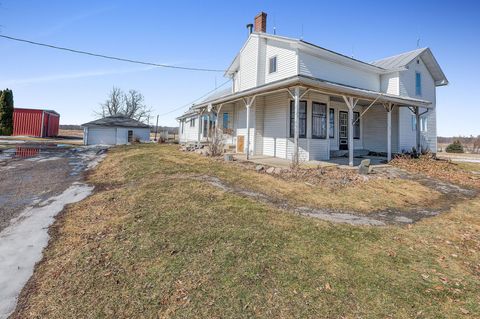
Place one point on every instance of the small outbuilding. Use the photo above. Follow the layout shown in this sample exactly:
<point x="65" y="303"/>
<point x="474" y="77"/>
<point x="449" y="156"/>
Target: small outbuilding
<point x="115" y="130"/>
<point x="35" y="122"/>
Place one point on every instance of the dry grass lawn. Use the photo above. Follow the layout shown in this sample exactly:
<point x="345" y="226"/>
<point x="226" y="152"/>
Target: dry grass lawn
<point x="154" y="243"/>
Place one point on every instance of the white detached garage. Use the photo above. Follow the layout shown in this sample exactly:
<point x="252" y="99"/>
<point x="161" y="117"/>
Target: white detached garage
<point x="115" y="130"/>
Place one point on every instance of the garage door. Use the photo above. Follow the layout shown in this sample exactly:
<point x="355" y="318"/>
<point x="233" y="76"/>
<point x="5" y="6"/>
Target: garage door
<point x="102" y="136"/>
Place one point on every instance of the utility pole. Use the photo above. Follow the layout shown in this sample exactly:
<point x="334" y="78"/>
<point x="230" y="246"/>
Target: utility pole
<point x="156" y="130"/>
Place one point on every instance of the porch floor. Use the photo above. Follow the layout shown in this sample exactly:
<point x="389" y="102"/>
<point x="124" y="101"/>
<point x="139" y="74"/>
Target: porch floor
<point x="341" y="162"/>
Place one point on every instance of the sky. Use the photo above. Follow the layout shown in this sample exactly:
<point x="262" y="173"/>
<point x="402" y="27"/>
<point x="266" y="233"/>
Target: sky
<point x="208" y="34"/>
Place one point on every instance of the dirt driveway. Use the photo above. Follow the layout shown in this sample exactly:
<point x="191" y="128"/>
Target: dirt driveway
<point x="36" y="181"/>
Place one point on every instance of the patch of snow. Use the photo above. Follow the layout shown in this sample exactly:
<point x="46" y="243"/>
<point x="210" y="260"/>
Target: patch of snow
<point x="22" y="243"/>
<point x="2" y="141"/>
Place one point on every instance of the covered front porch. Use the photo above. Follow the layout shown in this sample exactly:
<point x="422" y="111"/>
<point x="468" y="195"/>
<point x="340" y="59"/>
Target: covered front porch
<point x="310" y="121"/>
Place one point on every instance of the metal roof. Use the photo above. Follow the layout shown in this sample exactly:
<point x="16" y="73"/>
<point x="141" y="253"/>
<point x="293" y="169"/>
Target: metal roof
<point x="31" y="109"/>
<point x="116" y="121"/>
<point x="399" y="60"/>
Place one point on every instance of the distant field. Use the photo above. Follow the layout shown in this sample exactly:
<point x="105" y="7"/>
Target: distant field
<point x="70" y="133"/>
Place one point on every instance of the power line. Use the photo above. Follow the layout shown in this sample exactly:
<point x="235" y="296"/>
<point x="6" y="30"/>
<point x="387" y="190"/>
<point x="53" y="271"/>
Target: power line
<point x="189" y="104"/>
<point x="109" y="57"/>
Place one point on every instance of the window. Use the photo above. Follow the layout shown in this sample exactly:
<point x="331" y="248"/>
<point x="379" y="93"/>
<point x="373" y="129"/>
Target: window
<point x="272" y="65"/>
<point x="130" y="136"/>
<point x="331" y="119"/>
<point x="418" y="83"/>
<point x="225" y="121"/>
<point x="319" y="120"/>
<point x="205" y="125"/>
<point x="423" y="124"/>
<point x="192" y="122"/>
<point x="414" y="123"/>
<point x="302" y="117"/>
<point x="356" y="126"/>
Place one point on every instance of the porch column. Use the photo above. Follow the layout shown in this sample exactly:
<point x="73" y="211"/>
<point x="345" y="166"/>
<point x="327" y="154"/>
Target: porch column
<point x="389" y="107"/>
<point x="248" y="129"/>
<point x="216" y="120"/>
<point x="296" y="134"/>
<point x="351" y="103"/>
<point x="417" y="128"/>
<point x="199" y="128"/>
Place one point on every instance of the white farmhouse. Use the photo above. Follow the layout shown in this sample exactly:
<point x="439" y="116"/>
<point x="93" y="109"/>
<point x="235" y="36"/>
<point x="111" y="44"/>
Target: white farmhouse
<point x="294" y="100"/>
<point x="115" y="130"/>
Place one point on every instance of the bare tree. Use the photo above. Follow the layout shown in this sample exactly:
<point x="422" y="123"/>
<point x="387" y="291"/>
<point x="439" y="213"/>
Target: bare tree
<point x="114" y="103"/>
<point x="130" y="104"/>
<point x="135" y="107"/>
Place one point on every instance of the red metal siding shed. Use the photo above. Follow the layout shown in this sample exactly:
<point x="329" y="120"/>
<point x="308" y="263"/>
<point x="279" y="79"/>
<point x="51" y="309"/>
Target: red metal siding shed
<point x="35" y="122"/>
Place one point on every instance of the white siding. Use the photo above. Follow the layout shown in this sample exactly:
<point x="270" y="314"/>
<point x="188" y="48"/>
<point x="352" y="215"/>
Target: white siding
<point x="389" y="83"/>
<point x="259" y="118"/>
<point x="248" y="64"/>
<point x="115" y="135"/>
<point x="375" y="129"/>
<point x="406" y="130"/>
<point x="227" y="108"/>
<point x="190" y="133"/>
<point x="407" y="88"/>
<point x="286" y="60"/>
<point x="143" y="134"/>
<point x="320" y="68"/>
<point x="275" y="127"/>
<point x="241" y="124"/>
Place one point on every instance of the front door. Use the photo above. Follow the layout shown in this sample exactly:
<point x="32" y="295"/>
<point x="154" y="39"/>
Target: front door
<point x="343" y="130"/>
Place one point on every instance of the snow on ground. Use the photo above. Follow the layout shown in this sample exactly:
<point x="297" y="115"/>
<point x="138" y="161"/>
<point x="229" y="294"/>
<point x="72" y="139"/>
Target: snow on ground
<point x="23" y="240"/>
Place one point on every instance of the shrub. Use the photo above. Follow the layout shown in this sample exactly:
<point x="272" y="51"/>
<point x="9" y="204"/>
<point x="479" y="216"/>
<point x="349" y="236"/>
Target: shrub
<point x="455" y="147"/>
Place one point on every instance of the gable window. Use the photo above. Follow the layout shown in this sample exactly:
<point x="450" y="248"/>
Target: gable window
<point x="302" y="118"/>
<point x="319" y="120"/>
<point x="225" y="121"/>
<point x="272" y="65"/>
<point x="356" y="125"/>
<point x="331" y="119"/>
<point x="418" y="83"/>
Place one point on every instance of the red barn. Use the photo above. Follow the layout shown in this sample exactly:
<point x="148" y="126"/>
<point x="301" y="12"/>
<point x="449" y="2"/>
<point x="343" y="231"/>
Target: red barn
<point x="34" y="122"/>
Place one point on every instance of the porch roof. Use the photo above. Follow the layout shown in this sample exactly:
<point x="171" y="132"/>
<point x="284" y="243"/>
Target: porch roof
<point x="323" y="86"/>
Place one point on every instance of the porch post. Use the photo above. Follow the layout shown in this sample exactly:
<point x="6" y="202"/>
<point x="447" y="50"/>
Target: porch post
<point x="247" y="105"/>
<point x="199" y="128"/>
<point x="296" y="134"/>
<point x="389" y="131"/>
<point x="351" y="103"/>
<point x="350" y="133"/>
<point x="417" y="124"/>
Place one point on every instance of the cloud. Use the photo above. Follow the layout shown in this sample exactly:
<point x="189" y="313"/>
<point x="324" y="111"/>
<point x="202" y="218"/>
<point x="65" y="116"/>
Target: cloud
<point x="69" y="76"/>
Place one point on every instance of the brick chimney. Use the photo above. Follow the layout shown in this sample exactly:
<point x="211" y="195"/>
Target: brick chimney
<point x="261" y="22"/>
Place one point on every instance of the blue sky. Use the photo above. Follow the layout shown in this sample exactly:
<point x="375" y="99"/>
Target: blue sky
<point x="208" y="34"/>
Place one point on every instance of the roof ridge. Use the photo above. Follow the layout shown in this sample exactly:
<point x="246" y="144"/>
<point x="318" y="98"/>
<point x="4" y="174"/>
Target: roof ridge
<point x="399" y="54"/>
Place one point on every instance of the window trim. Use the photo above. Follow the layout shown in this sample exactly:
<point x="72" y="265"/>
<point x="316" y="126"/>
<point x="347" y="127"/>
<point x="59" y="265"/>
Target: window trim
<point x="418" y="85"/>
<point x="359" y="126"/>
<point x="326" y="124"/>
<point x="330" y="119"/>
<point x="269" y="64"/>
<point x="292" y="119"/>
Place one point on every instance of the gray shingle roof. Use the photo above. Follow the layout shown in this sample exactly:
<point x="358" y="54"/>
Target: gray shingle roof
<point x="116" y="121"/>
<point x="398" y="61"/>
<point x="218" y="94"/>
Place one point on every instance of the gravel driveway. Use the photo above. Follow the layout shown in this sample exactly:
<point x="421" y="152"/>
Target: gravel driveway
<point x="36" y="182"/>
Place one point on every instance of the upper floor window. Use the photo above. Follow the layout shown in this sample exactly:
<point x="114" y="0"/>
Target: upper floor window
<point x="272" y="65"/>
<point x="418" y="83"/>
<point x="319" y="120"/>
<point x="302" y="118"/>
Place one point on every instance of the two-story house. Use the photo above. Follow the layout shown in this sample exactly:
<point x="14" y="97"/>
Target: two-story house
<point x="294" y="100"/>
